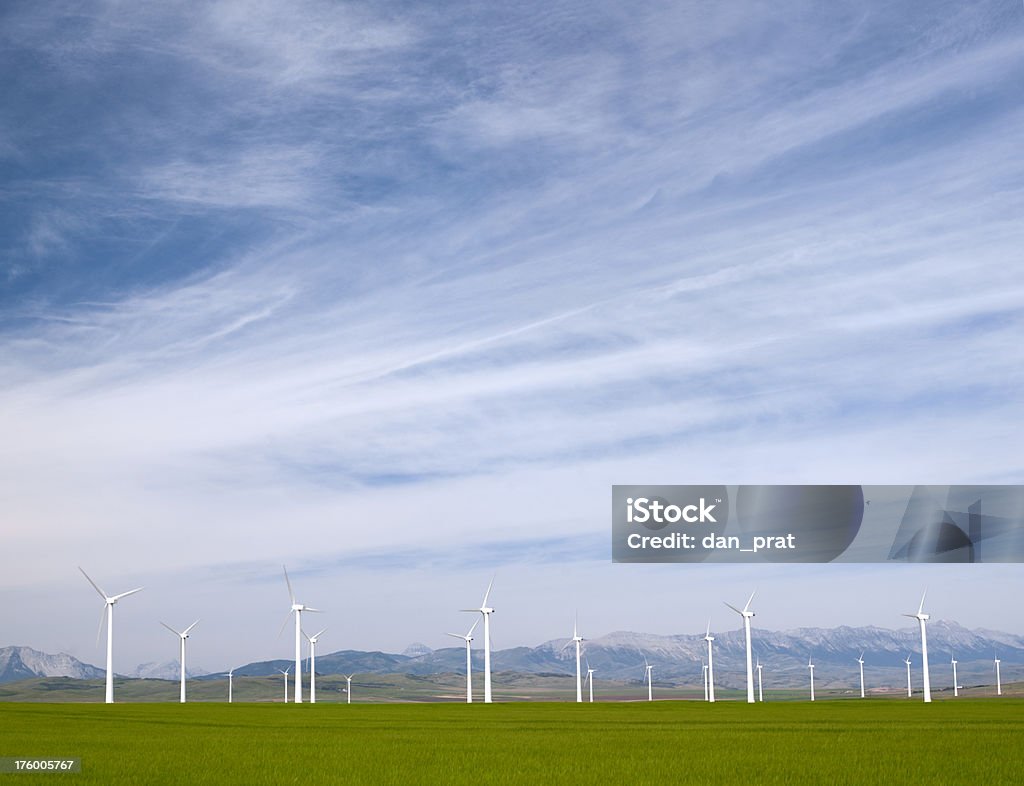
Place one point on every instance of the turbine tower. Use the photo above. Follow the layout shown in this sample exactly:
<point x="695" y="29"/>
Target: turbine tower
<point x="231" y="685"/>
<point x="760" y="691"/>
<point x="860" y="660"/>
<point x="999" y="684"/>
<point x="285" y="673"/>
<point x="487" y="611"/>
<point x="590" y="681"/>
<point x="704" y="674"/>
<point x="910" y="690"/>
<point x="922" y="618"/>
<point x="312" y="663"/>
<point x="746" y="614"/>
<point x="297" y="609"/>
<point x="183" y="635"/>
<point x="469" y="660"/>
<point x="711" y="665"/>
<point x="109" y="600"/>
<point x="956" y="686"/>
<point x="348" y="687"/>
<point x="647" y="677"/>
<point x="811" y="667"/>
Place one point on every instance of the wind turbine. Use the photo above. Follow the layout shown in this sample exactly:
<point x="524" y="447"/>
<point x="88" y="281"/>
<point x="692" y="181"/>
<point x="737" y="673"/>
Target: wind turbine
<point x="910" y="691"/>
<point x="312" y="664"/>
<point x="922" y="618"/>
<point x="999" y="684"/>
<point x="285" y="673"/>
<point x="109" y="600"/>
<point x="469" y="660"/>
<point x="231" y="684"/>
<point x="760" y="691"/>
<point x="956" y="687"/>
<point x="647" y="677"/>
<point x="746" y="613"/>
<point x="577" y="639"/>
<point x="297" y="609"/>
<point x="704" y="674"/>
<point x="183" y="634"/>
<point x="860" y="660"/>
<point x="811" y="667"/>
<point x="590" y="681"/>
<point x="348" y="687"/>
<point x="487" y="612"/>
<point x="711" y="665"/>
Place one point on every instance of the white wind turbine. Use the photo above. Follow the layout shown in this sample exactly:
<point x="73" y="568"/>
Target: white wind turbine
<point x="590" y="681"/>
<point x="704" y="674"/>
<point x="469" y="660"/>
<point x="348" y="688"/>
<point x="922" y="618"/>
<point x="711" y="665"/>
<point x="312" y="663"/>
<point x="760" y="690"/>
<point x="648" y="679"/>
<point x="231" y="685"/>
<point x="109" y="600"/>
<point x="182" y="635"/>
<point x="577" y="639"/>
<point x="487" y="612"/>
<point x="860" y="660"/>
<point x="999" y="684"/>
<point x="910" y="690"/>
<point x="811" y="667"/>
<point x="285" y="673"/>
<point x="956" y="686"/>
<point x="297" y="609"/>
<point x="746" y="614"/>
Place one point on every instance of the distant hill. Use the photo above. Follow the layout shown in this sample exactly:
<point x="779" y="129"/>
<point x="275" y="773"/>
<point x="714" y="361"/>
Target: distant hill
<point x="19" y="663"/>
<point x="677" y="659"/>
<point x="620" y="656"/>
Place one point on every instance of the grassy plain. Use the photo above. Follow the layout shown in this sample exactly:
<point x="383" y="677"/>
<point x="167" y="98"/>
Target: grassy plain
<point x="830" y="742"/>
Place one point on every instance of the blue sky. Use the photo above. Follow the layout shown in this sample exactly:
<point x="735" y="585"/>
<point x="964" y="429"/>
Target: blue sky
<point x="320" y="283"/>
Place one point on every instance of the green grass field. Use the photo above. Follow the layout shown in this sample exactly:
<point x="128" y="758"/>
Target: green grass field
<point x="968" y="741"/>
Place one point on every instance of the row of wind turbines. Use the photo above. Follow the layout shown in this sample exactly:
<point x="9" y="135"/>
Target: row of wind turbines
<point x="708" y="670"/>
<point x="746" y="614"/>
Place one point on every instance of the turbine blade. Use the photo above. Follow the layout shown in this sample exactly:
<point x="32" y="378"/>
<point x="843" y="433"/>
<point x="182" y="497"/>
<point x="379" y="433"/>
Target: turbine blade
<point x="912" y="616"/>
<point x="315" y="611"/>
<point x="291" y="594"/>
<point x="317" y="634"/>
<point x="709" y="627"/>
<point x="487" y="594"/>
<point x="95" y="586"/>
<point x="921" y="607"/>
<point x="750" y="600"/>
<point x="126" y="594"/>
<point x="99" y="630"/>
<point x="306" y="635"/>
<point x="172" y="630"/>
<point x="287" y="617"/>
<point x="479" y="611"/>
<point x="455" y="635"/>
<point x="733" y="608"/>
<point x="470" y="634"/>
<point x="189" y="628"/>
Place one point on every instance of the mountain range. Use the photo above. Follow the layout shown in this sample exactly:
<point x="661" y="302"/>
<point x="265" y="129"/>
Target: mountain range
<point x="620" y="656"/>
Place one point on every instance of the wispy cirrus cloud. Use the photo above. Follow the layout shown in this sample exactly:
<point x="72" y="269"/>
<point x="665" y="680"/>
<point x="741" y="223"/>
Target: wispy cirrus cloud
<point x="337" y="265"/>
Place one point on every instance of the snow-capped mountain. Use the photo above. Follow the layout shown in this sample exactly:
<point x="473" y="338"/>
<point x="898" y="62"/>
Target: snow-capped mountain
<point x="164" y="670"/>
<point x="19" y="663"/>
